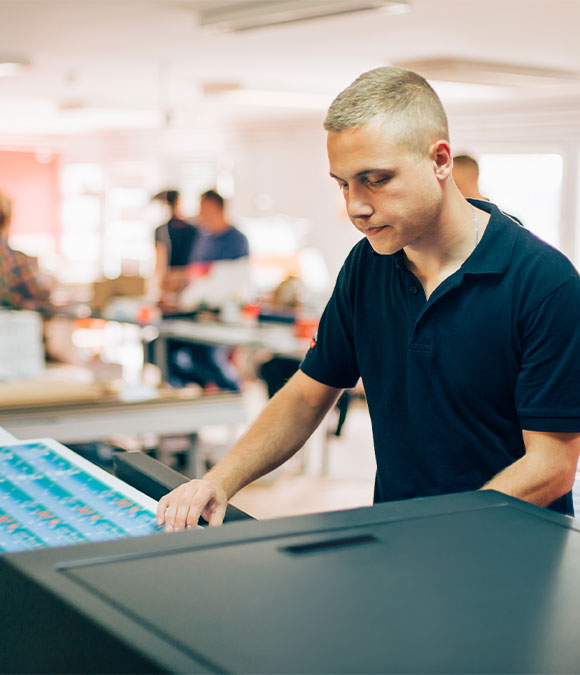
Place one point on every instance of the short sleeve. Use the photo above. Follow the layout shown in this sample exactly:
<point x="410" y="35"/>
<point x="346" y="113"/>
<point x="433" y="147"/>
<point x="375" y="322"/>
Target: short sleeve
<point x="237" y="246"/>
<point x="331" y="358"/>
<point x="162" y="235"/>
<point x="548" y="385"/>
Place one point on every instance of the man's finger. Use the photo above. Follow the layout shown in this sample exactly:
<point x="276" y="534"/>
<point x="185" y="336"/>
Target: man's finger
<point x="218" y="513"/>
<point x="161" y="510"/>
<point x="170" y="514"/>
<point x="189" y="504"/>
<point x="173" y="501"/>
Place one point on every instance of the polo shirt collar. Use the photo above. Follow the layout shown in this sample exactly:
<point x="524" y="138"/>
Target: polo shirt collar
<point x="493" y="253"/>
<point x="495" y="250"/>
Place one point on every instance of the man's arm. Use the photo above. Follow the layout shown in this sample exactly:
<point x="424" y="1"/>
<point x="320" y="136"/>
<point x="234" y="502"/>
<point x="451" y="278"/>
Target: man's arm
<point x="279" y="432"/>
<point x="161" y="260"/>
<point x="545" y="473"/>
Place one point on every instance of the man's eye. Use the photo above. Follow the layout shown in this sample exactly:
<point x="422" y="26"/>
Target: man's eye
<point x="381" y="181"/>
<point x="342" y="186"/>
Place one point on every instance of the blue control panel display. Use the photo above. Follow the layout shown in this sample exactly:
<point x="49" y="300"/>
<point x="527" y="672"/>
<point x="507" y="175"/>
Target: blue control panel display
<point x="49" y="496"/>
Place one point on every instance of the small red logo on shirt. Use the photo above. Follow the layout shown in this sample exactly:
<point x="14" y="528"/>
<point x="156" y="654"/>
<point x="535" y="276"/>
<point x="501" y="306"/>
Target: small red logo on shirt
<point x="313" y="341"/>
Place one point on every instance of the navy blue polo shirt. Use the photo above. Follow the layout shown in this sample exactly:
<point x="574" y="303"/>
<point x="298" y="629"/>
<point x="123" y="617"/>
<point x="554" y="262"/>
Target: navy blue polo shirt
<point x="452" y="381"/>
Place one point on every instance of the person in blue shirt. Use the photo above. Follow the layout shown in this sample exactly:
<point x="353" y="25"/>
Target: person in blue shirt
<point x="462" y="325"/>
<point x="218" y="244"/>
<point x="218" y="239"/>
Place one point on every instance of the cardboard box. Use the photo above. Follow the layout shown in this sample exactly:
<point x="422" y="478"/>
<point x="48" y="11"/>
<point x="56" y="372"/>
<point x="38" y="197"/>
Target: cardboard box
<point x="123" y="286"/>
<point x="37" y="393"/>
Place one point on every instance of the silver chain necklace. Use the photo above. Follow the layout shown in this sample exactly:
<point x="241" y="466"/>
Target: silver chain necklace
<point x="475" y="225"/>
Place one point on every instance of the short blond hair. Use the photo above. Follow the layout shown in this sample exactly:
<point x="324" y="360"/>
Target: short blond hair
<point x="404" y="99"/>
<point x="5" y="211"/>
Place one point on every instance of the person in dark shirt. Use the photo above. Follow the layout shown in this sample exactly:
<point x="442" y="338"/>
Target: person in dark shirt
<point x="174" y="241"/>
<point x="462" y="325"/>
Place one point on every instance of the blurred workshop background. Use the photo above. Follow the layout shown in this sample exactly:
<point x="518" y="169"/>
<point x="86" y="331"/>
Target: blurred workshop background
<point x="120" y="123"/>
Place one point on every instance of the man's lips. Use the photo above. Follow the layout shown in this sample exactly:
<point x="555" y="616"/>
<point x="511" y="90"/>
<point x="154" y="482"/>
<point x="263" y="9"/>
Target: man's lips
<point x="370" y="231"/>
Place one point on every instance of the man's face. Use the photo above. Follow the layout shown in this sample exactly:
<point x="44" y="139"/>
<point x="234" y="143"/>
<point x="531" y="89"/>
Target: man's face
<point x="391" y="196"/>
<point x="206" y="212"/>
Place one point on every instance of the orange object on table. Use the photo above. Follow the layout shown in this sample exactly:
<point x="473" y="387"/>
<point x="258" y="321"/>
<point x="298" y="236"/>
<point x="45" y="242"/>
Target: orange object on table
<point x="251" y="310"/>
<point x="305" y="328"/>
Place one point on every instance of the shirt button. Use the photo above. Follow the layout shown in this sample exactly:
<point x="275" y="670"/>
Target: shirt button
<point x="413" y="290"/>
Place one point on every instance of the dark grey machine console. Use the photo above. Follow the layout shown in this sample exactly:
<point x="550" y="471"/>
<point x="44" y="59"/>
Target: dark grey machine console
<point x="470" y="583"/>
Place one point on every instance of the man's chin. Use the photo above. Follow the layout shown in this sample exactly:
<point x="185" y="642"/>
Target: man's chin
<point x="382" y="248"/>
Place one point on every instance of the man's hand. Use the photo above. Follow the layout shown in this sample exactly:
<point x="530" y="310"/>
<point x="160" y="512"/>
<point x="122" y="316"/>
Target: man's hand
<point x="279" y="432"/>
<point x="182" y="507"/>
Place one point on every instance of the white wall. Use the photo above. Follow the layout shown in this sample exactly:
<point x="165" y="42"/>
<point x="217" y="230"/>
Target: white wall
<point x="288" y="162"/>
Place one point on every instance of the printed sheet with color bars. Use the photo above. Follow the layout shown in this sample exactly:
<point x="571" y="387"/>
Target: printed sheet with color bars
<point x="50" y="496"/>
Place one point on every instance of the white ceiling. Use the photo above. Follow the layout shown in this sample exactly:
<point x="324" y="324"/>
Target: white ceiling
<point x="148" y="60"/>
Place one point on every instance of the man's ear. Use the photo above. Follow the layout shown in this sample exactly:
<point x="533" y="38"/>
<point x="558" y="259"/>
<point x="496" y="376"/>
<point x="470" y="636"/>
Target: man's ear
<point x="440" y="153"/>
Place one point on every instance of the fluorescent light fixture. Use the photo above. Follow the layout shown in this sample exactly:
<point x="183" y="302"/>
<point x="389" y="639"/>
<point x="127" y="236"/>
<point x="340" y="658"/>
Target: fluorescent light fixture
<point x="275" y="99"/>
<point x="489" y="73"/>
<point x="252" y="14"/>
<point x="465" y="92"/>
<point x="43" y="118"/>
<point x="11" y="66"/>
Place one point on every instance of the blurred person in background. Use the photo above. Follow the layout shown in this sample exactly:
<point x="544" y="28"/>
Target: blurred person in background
<point x="205" y="281"/>
<point x="22" y="286"/>
<point x="217" y="277"/>
<point x="218" y="238"/>
<point x="174" y="241"/>
<point x="466" y="176"/>
<point x="276" y="370"/>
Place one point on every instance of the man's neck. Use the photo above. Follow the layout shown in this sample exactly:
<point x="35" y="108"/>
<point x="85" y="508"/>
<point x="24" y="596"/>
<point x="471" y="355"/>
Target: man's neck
<point x="449" y="242"/>
<point x="215" y="224"/>
<point x="217" y="228"/>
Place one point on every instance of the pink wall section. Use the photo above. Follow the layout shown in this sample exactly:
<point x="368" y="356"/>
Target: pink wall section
<point x="33" y="188"/>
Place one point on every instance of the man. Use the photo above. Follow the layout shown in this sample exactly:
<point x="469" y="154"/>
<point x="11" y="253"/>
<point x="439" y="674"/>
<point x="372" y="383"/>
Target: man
<point x="219" y="239"/>
<point x="218" y="276"/>
<point x="218" y="267"/>
<point x="466" y="176"/>
<point x="462" y="325"/>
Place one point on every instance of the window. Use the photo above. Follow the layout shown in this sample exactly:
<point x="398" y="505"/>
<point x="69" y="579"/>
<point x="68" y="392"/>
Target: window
<point x="526" y="186"/>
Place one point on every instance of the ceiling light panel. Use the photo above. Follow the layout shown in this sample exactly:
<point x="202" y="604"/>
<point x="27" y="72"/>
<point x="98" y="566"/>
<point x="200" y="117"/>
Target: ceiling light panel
<point x="249" y="15"/>
<point x="489" y="73"/>
<point x="12" y="66"/>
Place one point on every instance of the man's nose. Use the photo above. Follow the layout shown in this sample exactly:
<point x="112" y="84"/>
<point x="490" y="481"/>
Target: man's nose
<point x="358" y="204"/>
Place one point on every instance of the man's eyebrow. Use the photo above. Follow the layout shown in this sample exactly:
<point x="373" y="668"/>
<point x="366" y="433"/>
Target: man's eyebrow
<point x="362" y="174"/>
